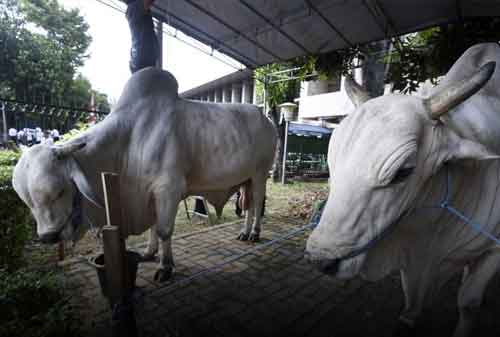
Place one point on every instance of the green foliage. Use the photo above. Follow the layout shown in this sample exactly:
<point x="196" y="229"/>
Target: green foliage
<point x="16" y="222"/>
<point x="35" y="304"/>
<point x="326" y="66"/>
<point x="329" y="64"/>
<point x="277" y="93"/>
<point x="66" y="28"/>
<point x="430" y="53"/>
<point x="42" y="45"/>
<point x="9" y="158"/>
<point x="79" y="128"/>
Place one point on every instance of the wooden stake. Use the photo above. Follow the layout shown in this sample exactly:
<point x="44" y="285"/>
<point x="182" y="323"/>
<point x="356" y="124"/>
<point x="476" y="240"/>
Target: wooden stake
<point x="119" y="284"/>
<point x="60" y="251"/>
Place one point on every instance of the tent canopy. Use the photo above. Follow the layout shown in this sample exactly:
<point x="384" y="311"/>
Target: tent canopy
<point x="299" y="129"/>
<point x="258" y="32"/>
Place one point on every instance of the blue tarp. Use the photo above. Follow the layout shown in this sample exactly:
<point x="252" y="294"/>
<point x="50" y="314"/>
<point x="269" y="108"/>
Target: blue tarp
<point x="308" y="130"/>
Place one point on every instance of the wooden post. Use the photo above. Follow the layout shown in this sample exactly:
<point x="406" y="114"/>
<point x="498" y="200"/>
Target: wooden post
<point x="115" y="262"/>
<point x="60" y="251"/>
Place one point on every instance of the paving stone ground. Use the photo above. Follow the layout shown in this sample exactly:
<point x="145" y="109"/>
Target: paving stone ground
<point x="274" y="292"/>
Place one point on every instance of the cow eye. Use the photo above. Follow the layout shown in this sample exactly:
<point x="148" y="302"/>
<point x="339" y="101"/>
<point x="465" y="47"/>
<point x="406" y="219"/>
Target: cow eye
<point x="59" y="195"/>
<point x="402" y="175"/>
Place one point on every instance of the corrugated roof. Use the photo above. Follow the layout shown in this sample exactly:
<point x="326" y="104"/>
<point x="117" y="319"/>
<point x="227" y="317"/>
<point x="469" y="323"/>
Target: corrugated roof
<point x="257" y="32"/>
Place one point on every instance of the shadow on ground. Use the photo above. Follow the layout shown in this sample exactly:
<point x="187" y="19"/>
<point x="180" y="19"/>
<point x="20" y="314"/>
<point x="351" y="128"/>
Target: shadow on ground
<point x="273" y="292"/>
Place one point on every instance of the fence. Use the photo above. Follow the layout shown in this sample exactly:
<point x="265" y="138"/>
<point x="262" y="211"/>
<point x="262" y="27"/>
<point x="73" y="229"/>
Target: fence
<point x="20" y="115"/>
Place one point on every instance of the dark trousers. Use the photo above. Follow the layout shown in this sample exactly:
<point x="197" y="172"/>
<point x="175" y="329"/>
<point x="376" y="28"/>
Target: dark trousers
<point x="199" y="207"/>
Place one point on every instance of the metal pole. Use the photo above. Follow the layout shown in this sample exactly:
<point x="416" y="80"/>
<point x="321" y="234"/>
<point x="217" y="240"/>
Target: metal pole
<point x="265" y="96"/>
<point x="159" y="36"/>
<point x="284" y="153"/>
<point x="4" y="118"/>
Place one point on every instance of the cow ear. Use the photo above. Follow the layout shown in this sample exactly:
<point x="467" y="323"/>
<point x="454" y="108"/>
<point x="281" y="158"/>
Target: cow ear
<point x="65" y="150"/>
<point x="83" y="185"/>
<point x="467" y="149"/>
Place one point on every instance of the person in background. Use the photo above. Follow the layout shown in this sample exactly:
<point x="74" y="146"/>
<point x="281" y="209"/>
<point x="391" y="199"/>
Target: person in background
<point x="38" y="135"/>
<point x="145" y="49"/>
<point x="29" y="137"/>
<point x="13" y="135"/>
<point x="20" y="137"/>
<point x="55" y="135"/>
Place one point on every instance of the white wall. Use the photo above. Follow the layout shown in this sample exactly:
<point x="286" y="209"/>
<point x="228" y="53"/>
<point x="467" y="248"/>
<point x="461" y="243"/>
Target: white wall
<point x="325" y="105"/>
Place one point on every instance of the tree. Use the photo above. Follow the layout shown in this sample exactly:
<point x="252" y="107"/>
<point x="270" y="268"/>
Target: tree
<point x="42" y="47"/>
<point x="430" y="53"/>
<point x="67" y="29"/>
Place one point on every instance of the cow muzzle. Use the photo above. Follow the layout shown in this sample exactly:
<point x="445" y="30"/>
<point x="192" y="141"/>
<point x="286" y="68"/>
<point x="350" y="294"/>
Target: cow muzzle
<point x="326" y="266"/>
<point x="50" y="238"/>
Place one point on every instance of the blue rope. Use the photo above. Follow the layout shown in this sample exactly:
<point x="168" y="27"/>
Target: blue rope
<point x="445" y="204"/>
<point x="219" y="266"/>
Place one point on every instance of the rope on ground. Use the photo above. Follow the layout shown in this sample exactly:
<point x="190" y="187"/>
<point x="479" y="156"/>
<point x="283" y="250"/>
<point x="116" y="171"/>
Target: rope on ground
<point x="230" y="260"/>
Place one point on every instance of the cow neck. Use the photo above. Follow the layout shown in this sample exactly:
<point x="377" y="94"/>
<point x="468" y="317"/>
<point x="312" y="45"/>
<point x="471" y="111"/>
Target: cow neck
<point x="449" y="202"/>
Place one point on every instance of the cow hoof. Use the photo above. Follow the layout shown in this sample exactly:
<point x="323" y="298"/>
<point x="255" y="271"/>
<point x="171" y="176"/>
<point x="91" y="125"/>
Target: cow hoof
<point x="254" y="237"/>
<point x="163" y="275"/>
<point x="403" y="329"/>
<point x="242" y="236"/>
<point x="148" y="256"/>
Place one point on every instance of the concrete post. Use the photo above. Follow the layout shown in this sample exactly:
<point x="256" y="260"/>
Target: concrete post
<point x="254" y="92"/>
<point x="218" y="95"/>
<point x="236" y="93"/>
<point x="226" y="95"/>
<point x="246" y="92"/>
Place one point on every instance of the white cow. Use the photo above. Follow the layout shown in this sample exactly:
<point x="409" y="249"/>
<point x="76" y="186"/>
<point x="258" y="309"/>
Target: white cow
<point x="391" y="164"/>
<point x="164" y="148"/>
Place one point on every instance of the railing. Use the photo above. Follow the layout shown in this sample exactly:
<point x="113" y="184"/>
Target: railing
<point x="25" y="115"/>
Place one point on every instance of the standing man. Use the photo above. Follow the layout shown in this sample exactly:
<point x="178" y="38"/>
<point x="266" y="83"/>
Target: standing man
<point x="13" y="135"/>
<point x="145" y="50"/>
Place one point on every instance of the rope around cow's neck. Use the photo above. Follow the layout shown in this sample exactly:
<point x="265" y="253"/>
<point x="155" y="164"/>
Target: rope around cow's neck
<point x="445" y="204"/>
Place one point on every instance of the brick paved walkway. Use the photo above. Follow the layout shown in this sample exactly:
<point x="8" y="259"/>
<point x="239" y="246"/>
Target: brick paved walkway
<point x="273" y="292"/>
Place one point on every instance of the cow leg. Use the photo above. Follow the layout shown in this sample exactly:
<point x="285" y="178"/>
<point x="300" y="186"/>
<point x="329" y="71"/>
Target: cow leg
<point x="470" y="294"/>
<point x="152" y="248"/>
<point x="415" y="285"/>
<point x="259" y="191"/>
<point x="167" y="203"/>
<point x="247" y="226"/>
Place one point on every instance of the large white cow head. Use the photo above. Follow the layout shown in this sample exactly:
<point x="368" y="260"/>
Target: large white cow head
<point x="379" y="158"/>
<point x="50" y="181"/>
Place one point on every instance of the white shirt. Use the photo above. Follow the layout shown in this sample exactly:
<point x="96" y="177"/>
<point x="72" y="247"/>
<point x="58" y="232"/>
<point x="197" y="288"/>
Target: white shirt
<point x="55" y="133"/>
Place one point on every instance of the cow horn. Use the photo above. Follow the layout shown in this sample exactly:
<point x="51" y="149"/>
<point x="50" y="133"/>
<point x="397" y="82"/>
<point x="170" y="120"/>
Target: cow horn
<point x="62" y="151"/>
<point x="452" y="95"/>
<point x="356" y="93"/>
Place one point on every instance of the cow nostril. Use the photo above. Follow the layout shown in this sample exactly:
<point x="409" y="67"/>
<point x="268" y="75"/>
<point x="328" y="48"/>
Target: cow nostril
<point x="327" y="266"/>
<point x="49" y="238"/>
